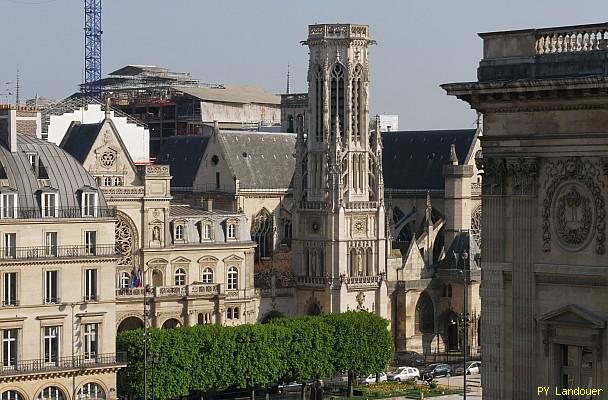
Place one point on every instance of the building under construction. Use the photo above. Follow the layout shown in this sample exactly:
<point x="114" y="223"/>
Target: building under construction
<point x="173" y="103"/>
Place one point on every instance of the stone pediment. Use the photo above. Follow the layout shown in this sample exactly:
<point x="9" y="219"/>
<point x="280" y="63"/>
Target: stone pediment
<point x="207" y="259"/>
<point x="232" y="258"/>
<point x="180" y="259"/>
<point x="572" y="315"/>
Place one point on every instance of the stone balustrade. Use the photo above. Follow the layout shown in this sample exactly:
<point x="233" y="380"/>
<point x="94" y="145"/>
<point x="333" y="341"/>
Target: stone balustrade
<point x="196" y="289"/>
<point x="362" y="281"/>
<point x="362" y="205"/>
<point x="313" y="205"/>
<point x="311" y="280"/>
<point x="576" y="40"/>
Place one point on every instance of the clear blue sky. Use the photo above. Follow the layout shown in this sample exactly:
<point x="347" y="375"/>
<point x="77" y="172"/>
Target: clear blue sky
<point x="421" y="43"/>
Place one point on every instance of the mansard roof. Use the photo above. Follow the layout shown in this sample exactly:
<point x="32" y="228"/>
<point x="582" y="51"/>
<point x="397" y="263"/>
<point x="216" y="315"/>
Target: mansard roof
<point x="414" y="160"/>
<point x="56" y="168"/>
<point x="260" y="160"/>
<point x="183" y="154"/>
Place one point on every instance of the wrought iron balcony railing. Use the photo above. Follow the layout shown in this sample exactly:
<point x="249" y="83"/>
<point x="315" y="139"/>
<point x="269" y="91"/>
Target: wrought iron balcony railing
<point x="61" y="212"/>
<point x="63" y="363"/>
<point x="44" y="252"/>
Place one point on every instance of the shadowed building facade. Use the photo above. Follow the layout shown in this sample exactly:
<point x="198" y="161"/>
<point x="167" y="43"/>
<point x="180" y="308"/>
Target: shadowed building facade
<point x="544" y="97"/>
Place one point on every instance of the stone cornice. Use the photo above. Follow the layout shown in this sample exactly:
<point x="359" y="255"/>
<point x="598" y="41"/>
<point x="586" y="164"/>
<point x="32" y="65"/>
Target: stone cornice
<point x="52" y="261"/>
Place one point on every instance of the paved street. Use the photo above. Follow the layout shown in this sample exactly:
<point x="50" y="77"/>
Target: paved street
<point x="456" y="382"/>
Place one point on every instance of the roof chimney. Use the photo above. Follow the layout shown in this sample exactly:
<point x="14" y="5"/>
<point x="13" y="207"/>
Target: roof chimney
<point x="207" y="204"/>
<point x="18" y="119"/>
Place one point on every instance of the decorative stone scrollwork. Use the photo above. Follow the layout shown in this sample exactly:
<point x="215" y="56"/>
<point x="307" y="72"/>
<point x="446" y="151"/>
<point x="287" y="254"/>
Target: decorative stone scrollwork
<point x="573" y="217"/>
<point x="107" y="159"/>
<point x="573" y="199"/>
<point x="522" y="173"/>
<point x="494" y="171"/>
<point x="125" y="239"/>
<point x="476" y="225"/>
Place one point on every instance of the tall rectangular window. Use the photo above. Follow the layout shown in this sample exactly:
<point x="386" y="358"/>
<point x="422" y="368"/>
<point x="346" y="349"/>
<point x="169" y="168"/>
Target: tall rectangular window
<point x="50" y="244"/>
<point x="90" y="341"/>
<point x="51" y="344"/>
<point x="206" y="231"/>
<point x="10" y="245"/>
<point x="90" y="242"/>
<point x="50" y="287"/>
<point x="217" y="180"/>
<point x="8" y="205"/>
<point x="576" y="367"/>
<point x="9" y="347"/>
<point x="49" y="205"/>
<point x="90" y="284"/>
<point x="231" y="231"/>
<point x="9" y="296"/>
<point x="89" y="204"/>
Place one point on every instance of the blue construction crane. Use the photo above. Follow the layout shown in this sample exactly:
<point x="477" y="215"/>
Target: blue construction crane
<point x="92" y="48"/>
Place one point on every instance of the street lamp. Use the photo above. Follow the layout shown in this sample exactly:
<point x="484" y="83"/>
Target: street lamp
<point x="155" y="358"/>
<point x="464" y="317"/>
<point x="146" y="334"/>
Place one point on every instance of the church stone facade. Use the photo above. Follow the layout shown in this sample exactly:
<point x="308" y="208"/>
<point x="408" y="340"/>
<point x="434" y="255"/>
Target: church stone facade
<point x="544" y="97"/>
<point x="339" y="242"/>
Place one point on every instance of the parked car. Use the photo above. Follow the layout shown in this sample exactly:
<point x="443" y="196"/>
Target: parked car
<point x="404" y="373"/>
<point x="290" y="387"/>
<point x="436" y="370"/>
<point x="372" y="378"/>
<point x="473" y="368"/>
<point x="411" y="358"/>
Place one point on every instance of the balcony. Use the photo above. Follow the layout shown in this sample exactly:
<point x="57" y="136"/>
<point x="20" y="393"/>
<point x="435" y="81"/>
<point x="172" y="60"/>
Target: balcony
<point x="311" y="281"/>
<point x="51" y="252"/>
<point x="193" y="290"/>
<point x="65" y="364"/>
<point x="362" y="281"/>
<point x="11" y="213"/>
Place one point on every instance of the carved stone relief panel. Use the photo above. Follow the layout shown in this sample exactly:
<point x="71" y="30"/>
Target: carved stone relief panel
<point x="573" y="206"/>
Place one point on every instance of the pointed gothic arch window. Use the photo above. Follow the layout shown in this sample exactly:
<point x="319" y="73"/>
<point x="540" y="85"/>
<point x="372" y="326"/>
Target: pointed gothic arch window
<point x="425" y="314"/>
<point x="476" y="225"/>
<point x="337" y="98"/>
<point x="353" y="262"/>
<point x="369" y="263"/>
<point x="125" y="239"/>
<point x="356" y="103"/>
<point x="319" y="100"/>
<point x="262" y="234"/>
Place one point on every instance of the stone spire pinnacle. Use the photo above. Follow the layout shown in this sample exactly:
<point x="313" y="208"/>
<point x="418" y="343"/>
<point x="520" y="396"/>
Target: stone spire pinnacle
<point x="288" y="85"/>
<point x="453" y="156"/>
<point x="108" y="107"/>
<point x="429" y="209"/>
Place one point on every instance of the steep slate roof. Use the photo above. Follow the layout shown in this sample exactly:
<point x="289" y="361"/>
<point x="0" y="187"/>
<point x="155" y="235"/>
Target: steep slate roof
<point x="414" y="160"/>
<point x="260" y="160"/>
<point x="242" y="94"/>
<point x="64" y="173"/>
<point x="79" y="138"/>
<point x="183" y="154"/>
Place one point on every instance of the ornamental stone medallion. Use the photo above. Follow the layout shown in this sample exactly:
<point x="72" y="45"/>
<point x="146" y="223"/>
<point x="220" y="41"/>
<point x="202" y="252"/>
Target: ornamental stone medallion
<point x="573" y="216"/>
<point x="574" y="208"/>
<point x="107" y="159"/>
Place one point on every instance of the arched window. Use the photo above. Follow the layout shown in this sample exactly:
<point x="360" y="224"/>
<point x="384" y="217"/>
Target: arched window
<point x="233" y="276"/>
<point x="370" y="262"/>
<point x="229" y="313"/>
<point x="124" y="280"/>
<point x="290" y="128"/>
<point x="353" y="262"/>
<point x="50" y="393"/>
<point x="90" y="391"/>
<point x="236" y="313"/>
<point x="10" y="395"/>
<point x="356" y="102"/>
<point x="117" y="181"/>
<point x="319" y="100"/>
<point x="179" y="232"/>
<point x="180" y="277"/>
<point x="337" y="98"/>
<point x="207" y="275"/>
<point x="425" y="315"/>
<point x="107" y="181"/>
<point x="262" y="234"/>
<point x="157" y="278"/>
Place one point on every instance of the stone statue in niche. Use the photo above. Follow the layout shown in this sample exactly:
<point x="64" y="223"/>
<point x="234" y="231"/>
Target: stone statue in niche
<point x="359" y="264"/>
<point x="156" y="233"/>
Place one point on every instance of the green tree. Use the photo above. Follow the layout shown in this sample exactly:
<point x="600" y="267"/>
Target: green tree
<point x="363" y="344"/>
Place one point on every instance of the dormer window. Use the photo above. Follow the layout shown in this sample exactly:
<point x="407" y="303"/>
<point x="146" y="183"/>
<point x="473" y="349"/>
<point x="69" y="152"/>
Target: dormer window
<point x="8" y="205"/>
<point x="206" y="231"/>
<point x="33" y="160"/>
<point x="179" y="232"/>
<point x="49" y="205"/>
<point x="89" y="204"/>
<point x="231" y="231"/>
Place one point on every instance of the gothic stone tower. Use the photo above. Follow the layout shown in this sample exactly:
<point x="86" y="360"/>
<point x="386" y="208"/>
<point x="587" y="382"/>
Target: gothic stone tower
<point x="339" y="223"/>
